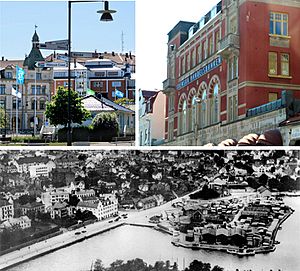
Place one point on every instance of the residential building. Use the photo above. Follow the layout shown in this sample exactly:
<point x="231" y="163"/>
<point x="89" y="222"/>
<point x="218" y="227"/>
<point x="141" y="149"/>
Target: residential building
<point x="23" y="222"/>
<point x="126" y="116"/>
<point x="49" y="198"/>
<point x="105" y="207"/>
<point x="34" y="207"/>
<point x="222" y="83"/>
<point x="6" y="210"/>
<point x="60" y="210"/>
<point x="151" y="108"/>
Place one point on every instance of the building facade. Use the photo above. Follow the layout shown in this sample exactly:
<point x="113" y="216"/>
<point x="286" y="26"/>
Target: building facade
<point x="221" y="82"/>
<point x="6" y="210"/>
<point x="151" y="108"/>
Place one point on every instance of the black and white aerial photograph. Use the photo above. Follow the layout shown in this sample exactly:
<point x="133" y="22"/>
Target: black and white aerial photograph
<point x="149" y="210"/>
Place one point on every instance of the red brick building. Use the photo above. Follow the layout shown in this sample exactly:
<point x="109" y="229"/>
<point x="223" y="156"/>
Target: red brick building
<point x="234" y="72"/>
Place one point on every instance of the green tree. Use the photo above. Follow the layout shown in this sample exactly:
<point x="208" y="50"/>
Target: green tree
<point x="98" y="266"/>
<point x="4" y="120"/>
<point x="106" y="121"/>
<point x="57" y="109"/>
<point x="124" y="101"/>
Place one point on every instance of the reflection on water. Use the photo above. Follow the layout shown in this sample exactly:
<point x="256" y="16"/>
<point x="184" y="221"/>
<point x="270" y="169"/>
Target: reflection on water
<point x="130" y="242"/>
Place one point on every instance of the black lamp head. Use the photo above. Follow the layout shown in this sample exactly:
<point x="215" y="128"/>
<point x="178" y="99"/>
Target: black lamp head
<point x="106" y="13"/>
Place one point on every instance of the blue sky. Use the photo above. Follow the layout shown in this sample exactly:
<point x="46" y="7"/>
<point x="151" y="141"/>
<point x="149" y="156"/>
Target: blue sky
<point x="18" y="18"/>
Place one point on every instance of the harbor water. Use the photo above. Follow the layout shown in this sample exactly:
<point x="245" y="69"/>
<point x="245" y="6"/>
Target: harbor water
<point x="129" y="242"/>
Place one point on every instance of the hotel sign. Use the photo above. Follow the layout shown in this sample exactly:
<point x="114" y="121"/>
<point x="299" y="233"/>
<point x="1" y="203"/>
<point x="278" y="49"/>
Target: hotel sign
<point x="204" y="70"/>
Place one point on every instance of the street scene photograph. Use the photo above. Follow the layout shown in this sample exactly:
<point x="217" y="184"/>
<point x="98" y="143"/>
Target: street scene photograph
<point x="226" y="73"/>
<point x="156" y="210"/>
<point x="67" y="73"/>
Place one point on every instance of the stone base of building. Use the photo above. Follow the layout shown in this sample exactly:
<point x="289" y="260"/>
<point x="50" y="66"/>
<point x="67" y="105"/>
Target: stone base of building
<point x="235" y="130"/>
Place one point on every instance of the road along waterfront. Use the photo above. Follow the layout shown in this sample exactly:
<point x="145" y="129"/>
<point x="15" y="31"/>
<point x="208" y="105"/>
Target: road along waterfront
<point x="128" y="242"/>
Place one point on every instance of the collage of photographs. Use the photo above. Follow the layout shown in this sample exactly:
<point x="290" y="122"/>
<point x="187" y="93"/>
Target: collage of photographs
<point x="153" y="135"/>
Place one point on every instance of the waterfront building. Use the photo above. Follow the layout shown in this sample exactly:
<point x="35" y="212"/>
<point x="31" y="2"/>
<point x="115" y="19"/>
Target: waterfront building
<point x="60" y="210"/>
<point x="6" y="210"/>
<point x="23" y="222"/>
<point x="222" y="83"/>
<point x="104" y="208"/>
<point x="151" y="108"/>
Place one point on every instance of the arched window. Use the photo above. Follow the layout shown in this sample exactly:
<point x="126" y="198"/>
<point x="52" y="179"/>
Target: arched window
<point x="194" y="112"/>
<point x="184" y="117"/>
<point x="214" y="108"/>
<point x="203" y="111"/>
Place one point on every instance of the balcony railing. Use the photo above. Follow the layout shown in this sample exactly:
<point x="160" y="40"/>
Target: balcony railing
<point x="229" y="43"/>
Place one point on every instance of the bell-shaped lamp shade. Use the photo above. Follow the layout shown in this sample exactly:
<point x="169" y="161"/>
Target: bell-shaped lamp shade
<point x="106" y="13"/>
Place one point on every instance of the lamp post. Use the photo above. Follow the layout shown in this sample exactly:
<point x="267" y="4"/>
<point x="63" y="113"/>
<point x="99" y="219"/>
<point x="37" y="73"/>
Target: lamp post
<point x="105" y="17"/>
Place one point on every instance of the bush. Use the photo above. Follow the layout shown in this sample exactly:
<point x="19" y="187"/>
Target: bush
<point x="104" y="127"/>
<point x="81" y="133"/>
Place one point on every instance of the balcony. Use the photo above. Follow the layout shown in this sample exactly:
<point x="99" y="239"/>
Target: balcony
<point x="168" y="85"/>
<point x="229" y="44"/>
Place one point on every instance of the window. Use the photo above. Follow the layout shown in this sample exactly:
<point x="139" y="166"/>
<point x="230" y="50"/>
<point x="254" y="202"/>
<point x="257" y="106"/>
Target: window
<point x="171" y="103"/>
<point x="215" y="105"/>
<point x="232" y="108"/>
<point x="194" y="58"/>
<point x="32" y="104"/>
<point x="2" y="104"/>
<point x="8" y="75"/>
<point x="42" y="105"/>
<point x="38" y="89"/>
<point x="182" y="66"/>
<point x="217" y="39"/>
<point x="204" y="50"/>
<point x="210" y="46"/>
<point x="273" y="97"/>
<point x="43" y="90"/>
<point x="194" y="112"/>
<point x="98" y="84"/>
<point x="2" y="89"/>
<point x="184" y="116"/>
<point x="199" y="54"/>
<point x="278" y="24"/>
<point x="203" y="109"/>
<point x="14" y="104"/>
<point x="116" y="84"/>
<point x="188" y="64"/>
<point x="38" y="76"/>
<point x="233" y="68"/>
<point x="272" y="63"/>
<point x="285" y="64"/>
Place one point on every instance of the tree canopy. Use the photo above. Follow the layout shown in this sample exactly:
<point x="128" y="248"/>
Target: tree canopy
<point x="57" y="109"/>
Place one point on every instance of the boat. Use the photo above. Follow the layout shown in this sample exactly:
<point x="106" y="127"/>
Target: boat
<point x="242" y="252"/>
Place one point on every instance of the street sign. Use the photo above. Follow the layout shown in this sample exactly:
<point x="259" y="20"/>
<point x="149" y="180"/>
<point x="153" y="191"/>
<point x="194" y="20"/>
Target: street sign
<point x="58" y="42"/>
<point x="52" y="46"/>
<point x="41" y="64"/>
<point x="84" y="54"/>
<point x="62" y="57"/>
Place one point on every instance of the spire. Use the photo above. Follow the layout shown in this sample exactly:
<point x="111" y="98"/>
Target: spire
<point x="35" y="37"/>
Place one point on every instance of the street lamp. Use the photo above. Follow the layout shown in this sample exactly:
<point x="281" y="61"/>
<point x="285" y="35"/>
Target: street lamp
<point x="105" y="17"/>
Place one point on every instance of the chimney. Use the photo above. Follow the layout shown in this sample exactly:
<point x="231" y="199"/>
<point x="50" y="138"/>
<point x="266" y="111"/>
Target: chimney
<point x="126" y="55"/>
<point x="2" y="58"/>
<point x="130" y="56"/>
<point x="113" y="53"/>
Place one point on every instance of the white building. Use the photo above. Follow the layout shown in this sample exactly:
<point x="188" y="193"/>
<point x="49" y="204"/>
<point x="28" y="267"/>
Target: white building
<point x="23" y="222"/>
<point x="6" y="210"/>
<point x="49" y="198"/>
<point x="104" y="208"/>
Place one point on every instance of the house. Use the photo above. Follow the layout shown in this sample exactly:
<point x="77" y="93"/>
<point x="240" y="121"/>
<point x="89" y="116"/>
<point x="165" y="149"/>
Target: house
<point x="23" y="222"/>
<point x="33" y="207"/>
<point x="126" y="117"/>
<point x="51" y="197"/>
<point x="263" y="192"/>
<point x="104" y="208"/>
<point x="147" y="203"/>
<point x="6" y="210"/>
<point x="60" y="210"/>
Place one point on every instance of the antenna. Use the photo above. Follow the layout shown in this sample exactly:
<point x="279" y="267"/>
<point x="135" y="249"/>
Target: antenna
<point x="122" y="42"/>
